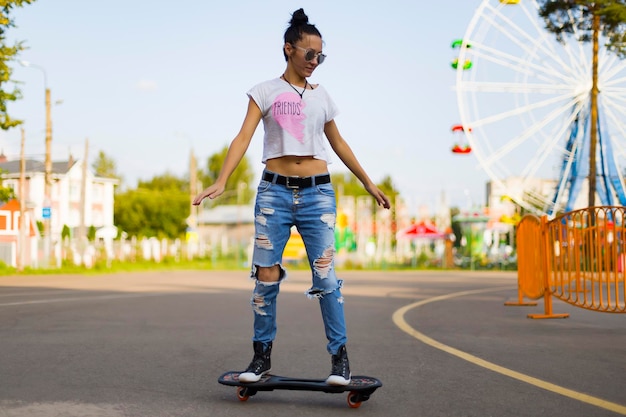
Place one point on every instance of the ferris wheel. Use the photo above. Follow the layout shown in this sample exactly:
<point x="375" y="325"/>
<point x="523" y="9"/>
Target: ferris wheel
<point x="524" y="104"/>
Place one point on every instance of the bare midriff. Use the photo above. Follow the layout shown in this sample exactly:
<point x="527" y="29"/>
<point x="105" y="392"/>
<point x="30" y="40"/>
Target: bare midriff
<point x="297" y="166"/>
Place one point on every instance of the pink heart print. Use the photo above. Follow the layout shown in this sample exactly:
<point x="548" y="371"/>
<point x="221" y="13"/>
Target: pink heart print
<point x="288" y="112"/>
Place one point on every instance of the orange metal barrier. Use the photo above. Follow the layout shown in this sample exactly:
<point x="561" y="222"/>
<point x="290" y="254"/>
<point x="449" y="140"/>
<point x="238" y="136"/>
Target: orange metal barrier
<point x="577" y="257"/>
<point x="530" y="275"/>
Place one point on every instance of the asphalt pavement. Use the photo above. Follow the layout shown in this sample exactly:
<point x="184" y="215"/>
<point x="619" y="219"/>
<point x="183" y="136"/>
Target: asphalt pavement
<point x="442" y="342"/>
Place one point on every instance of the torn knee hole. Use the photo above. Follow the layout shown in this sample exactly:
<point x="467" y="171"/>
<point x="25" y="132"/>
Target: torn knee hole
<point x="323" y="264"/>
<point x="258" y="303"/>
<point x="263" y="241"/>
<point x="258" y="300"/>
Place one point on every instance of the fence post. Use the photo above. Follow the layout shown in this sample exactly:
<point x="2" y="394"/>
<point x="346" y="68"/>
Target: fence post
<point x="524" y="236"/>
<point x="547" y="273"/>
<point x="520" y="300"/>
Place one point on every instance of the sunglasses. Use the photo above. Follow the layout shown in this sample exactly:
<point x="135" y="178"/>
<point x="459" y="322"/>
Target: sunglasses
<point x="310" y="54"/>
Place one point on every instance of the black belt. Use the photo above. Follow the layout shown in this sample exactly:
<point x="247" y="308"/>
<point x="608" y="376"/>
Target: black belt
<point x="296" y="182"/>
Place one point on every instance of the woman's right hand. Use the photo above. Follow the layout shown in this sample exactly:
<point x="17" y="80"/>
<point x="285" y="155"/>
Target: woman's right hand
<point x="212" y="191"/>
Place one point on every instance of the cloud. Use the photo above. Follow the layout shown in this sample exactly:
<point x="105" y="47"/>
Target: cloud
<point x="146" y="85"/>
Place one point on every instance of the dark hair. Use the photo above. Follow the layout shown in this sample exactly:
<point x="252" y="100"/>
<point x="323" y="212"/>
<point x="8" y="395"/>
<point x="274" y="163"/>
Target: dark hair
<point x="299" y="25"/>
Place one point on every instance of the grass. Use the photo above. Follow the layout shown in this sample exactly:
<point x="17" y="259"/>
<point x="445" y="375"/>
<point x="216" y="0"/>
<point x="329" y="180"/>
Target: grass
<point x="172" y="264"/>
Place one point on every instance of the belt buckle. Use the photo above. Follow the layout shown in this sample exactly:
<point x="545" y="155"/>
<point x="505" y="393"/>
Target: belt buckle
<point x="288" y="185"/>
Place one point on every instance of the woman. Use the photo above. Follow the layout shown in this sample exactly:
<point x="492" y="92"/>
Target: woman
<point x="294" y="190"/>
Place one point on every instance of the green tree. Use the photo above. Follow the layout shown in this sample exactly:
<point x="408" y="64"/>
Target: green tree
<point x="105" y="167"/>
<point x="235" y="192"/>
<point x="91" y="233"/>
<point x="8" y="53"/>
<point x="157" y="208"/>
<point x="345" y="183"/>
<point x="151" y="213"/>
<point x="66" y="232"/>
<point x="167" y="181"/>
<point x="587" y="19"/>
<point x="388" y="188"/>
<point x="6" y="193"/>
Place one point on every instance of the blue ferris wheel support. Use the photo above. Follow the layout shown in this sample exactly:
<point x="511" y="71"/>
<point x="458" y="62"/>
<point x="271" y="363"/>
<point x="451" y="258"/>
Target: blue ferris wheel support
<point x="575" y="167"/>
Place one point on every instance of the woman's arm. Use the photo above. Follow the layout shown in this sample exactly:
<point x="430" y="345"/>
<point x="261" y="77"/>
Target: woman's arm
<point x="236" y="151"/>
<point x="344" y="152"/>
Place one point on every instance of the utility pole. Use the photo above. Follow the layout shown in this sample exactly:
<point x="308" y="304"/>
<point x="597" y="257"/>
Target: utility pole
<point x="22" y="224"/>
<point x="47" y="195"/>
<point x="48" y="185"/>
<point x="83" y="194"/>
<point x="82" y="228"/>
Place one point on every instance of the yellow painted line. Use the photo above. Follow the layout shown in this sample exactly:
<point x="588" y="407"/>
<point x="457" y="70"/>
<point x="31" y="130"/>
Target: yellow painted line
<point x="398" y="319"/>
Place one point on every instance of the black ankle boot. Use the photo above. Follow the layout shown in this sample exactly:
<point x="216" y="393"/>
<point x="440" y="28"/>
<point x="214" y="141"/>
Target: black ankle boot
<point x="261" y="363"/>
<point x="340" y="372"/>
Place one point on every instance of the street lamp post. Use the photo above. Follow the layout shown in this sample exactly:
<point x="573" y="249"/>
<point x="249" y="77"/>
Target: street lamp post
<point x="47" y="212"/>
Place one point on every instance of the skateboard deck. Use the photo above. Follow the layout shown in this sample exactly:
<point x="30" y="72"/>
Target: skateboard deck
<point x="360" y="388"/>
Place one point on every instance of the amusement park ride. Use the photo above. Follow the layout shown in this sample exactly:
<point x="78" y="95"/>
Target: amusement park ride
<point x="524" y="105"/>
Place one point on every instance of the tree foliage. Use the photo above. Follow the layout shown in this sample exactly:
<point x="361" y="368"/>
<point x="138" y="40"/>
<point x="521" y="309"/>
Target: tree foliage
<point x="160" y="207"/>
<point x="586" y="20"/>
<point x="569" y="17"/>
<point x="152" y="213"/>
<point x="6" y="194"/>
<point x="235" y="192"/>
<point x="157" y="208"/>
<point x="347" y="184"/>
<point x="105" y="166"/>
<point x="8" y="53"/>
<point x="388" y="188"/>
<point x="165" y="182"/>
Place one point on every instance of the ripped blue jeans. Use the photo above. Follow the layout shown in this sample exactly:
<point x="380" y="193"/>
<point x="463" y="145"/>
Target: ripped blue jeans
<point x="312" y="211"/>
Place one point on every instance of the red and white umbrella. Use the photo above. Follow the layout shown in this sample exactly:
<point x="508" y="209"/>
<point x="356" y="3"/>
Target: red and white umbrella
<point x="421" y="230"/>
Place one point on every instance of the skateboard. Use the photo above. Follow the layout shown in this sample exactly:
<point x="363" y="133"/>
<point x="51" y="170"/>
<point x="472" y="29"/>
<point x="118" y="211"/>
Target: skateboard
<point x="360" y="388"/>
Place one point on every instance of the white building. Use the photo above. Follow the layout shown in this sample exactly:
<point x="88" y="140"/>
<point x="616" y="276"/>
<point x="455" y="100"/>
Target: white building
<point x="66" y="193"/>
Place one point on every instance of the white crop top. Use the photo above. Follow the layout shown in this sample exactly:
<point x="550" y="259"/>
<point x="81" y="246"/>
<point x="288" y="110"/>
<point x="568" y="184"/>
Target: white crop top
<point x="293" y="125"/>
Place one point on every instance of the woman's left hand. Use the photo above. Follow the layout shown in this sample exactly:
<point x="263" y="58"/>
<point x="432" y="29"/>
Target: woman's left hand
<point x="380" y="197"/>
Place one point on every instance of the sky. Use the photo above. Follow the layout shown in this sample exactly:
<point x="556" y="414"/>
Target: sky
<point x="148" y="82"/>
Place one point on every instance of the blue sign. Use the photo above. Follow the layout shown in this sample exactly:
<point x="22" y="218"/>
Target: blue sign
<point x="46" y="212"/>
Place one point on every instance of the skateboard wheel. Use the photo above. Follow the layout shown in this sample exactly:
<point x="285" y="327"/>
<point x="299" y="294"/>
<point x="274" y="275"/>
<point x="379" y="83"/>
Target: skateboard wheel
<point x="242" y="393"/>
<point x="354" y="399"/>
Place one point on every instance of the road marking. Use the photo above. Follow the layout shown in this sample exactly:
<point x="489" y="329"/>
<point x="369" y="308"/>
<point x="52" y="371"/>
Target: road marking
<point x="93" y="297"/>
<point x="398" y="319"/>
<point x="47" y="292"/>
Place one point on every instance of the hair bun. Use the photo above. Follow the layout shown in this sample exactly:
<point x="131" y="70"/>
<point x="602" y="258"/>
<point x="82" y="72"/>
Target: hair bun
<point x="299" y="18"/>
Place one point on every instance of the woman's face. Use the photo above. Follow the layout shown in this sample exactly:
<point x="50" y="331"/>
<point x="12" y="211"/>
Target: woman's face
<point x="311" y="45"/>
